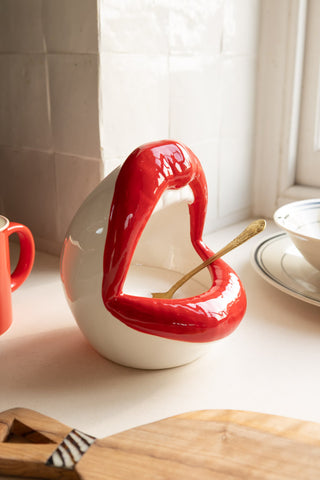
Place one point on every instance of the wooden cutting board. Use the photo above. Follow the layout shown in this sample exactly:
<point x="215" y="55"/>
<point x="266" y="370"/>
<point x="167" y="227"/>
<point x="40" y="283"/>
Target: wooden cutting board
<point x="211" y="444"/>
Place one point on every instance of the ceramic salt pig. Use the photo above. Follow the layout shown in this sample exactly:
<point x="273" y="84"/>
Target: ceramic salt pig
<point x="138" y="232"/>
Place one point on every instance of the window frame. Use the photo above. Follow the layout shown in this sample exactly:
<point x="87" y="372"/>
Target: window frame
<point x="279" y="83"/>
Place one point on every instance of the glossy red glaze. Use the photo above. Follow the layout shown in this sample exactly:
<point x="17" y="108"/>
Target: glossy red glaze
<point x="10" y="282"/>
<point x="145" y="175"/>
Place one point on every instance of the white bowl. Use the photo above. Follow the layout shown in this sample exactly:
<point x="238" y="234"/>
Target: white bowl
<point x="301" y="220"/>
<point x="155" y="238"/>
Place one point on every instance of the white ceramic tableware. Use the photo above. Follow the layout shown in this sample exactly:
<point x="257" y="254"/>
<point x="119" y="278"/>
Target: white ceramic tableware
<point x="281" y="264"/>
<point x="139" y="231"/>
<point x="301" y="220"/>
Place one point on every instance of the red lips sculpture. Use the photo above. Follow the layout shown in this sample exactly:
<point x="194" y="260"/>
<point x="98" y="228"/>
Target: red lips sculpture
<point x="144" y="176"/>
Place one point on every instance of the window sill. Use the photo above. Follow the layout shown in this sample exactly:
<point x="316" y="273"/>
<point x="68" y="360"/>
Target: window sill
<point x="298" y="192"/>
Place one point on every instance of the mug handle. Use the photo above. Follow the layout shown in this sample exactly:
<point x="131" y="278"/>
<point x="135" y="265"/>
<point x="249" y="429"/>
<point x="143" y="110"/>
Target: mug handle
<point x="27" y="253"/>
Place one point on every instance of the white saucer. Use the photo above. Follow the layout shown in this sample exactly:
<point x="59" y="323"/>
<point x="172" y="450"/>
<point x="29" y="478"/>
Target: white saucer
<point x="278" y="261"/>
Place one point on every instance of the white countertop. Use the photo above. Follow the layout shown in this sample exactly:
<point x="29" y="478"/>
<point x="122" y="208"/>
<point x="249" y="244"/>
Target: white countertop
<point x="270" y="364"/>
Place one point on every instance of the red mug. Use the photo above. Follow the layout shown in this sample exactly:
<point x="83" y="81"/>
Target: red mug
<point x="11" y="281"/>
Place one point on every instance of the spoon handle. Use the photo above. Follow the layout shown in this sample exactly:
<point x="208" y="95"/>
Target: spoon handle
<point x="253" y="229"/>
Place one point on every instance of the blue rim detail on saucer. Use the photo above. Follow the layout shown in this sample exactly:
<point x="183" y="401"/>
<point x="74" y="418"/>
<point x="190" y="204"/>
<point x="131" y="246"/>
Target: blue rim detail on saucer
<point x="258" y="262"/>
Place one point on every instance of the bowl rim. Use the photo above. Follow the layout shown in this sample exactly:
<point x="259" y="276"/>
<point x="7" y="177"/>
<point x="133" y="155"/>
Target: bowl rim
<point x="284" y="210"/>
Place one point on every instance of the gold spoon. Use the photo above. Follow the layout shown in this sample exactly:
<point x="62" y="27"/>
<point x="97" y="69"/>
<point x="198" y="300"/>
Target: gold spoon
<point x="255" y="227"/>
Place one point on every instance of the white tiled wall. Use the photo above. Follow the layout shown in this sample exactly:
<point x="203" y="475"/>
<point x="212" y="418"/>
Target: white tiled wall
<point x="82" y="80"/>
<point x="183" y="69"/>
<point x="49" y="125"/>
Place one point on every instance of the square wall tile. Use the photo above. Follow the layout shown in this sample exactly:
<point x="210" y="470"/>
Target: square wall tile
<point x="235" y="174"/>
<point x="1" y="205"/>
<point x="196" y="26"/>
<point x="208" y="155"/>
<point x="70" y="26"/>
<point x="24" y="115"/>
<point x="110" y="163"/>
<point x="138" y="26"/>
<point x="76" y="178"/>
<point x="241" y="27"/>
<point x="73" y="83"/>
<point x="21" y="26"/>
<point x="195" y="97"/>
<point x="28" y="187"/>
<point x="134" y="101"/>
<point x="238" y="95"/>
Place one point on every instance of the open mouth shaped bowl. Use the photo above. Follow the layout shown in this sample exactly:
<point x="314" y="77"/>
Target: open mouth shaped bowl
<point x="301" y="220"/>
<point x="138" y="232"/>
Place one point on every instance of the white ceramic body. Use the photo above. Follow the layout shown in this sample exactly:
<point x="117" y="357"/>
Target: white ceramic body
<point x="301" y="220"/>
<point x="165" y="245"/>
